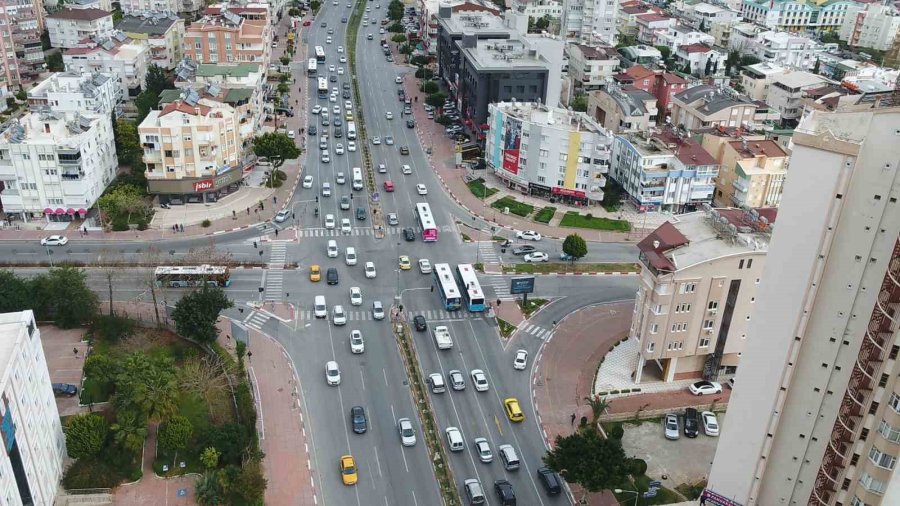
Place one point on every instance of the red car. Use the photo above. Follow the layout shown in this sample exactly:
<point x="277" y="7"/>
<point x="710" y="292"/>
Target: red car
<point x="307" y="22"/>
<point x="388" y="186"/>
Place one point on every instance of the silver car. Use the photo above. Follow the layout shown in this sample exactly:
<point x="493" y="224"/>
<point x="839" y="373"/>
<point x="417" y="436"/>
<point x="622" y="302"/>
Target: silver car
<point x="457" y="380"/>
<point x="483" y="448"/>
<point x="407" y="432"/>
<point x="671" y="426"/>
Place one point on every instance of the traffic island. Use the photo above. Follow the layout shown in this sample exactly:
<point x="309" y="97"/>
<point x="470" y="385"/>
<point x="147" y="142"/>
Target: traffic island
<point x="589" y="269"/>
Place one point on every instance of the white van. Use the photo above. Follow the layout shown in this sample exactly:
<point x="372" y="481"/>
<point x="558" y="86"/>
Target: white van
<point x="332" y="249"/>
<point x="351" y="130"/>
<point x="321" y="310"/>
<point x="357" y="179"/>
<point x="509" y="457"/>
<point x="454" y="439"/>
<point x="350" y="256"/>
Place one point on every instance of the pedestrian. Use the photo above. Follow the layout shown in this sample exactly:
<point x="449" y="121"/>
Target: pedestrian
<point x="432" y="288"/>
<point x="75" y="351"/>
<point x="573" y="419"/>
<point x="416" y="98"/>
<point x="274" y="199"/>
<point x="181" y="227"/>
<point x="233" y="214"/>
<point x="85" y="230"/>
<point x="276" y="232"/>
<point x="248" y="211"/>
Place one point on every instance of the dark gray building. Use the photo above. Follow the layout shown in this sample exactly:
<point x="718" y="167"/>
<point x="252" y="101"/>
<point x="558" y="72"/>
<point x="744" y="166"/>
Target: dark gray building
<point x="451" y="29"/>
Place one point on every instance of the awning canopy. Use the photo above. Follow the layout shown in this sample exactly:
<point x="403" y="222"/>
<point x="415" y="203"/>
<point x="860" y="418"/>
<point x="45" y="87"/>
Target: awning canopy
<point x="70" y="211"/>
<point x="48" y="211"/>
<point x="59" y="211"/>
<point x="82" y="211"/>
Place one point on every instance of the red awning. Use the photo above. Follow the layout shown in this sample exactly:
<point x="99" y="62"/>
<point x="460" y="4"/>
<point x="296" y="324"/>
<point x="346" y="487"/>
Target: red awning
<point x="82" y="211"/>
<point x="48" y="211"/>
<point x="70" y="211"/>
<point x="59" y="210"/>
<point x="485" y="126"/>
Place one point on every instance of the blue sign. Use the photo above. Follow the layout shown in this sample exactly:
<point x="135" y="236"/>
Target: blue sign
<point x="182" y="492"/>
<point x="521" y="285"/>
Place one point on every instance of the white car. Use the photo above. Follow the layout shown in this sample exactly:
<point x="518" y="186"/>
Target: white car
<point x="339" y="149"/>
<point x="345" y="226"/>
<point x="370" y="270"/>
<point x="398" y="80"/>
<point x="454" y="436"/>
<point x="407" y="170"/>
<point x="340" y="178"/>
<point x="407" y="432"/>
<point x="308" y="182"/>
<point x="326" y="189"/>
<point x="291" y="134"/>
<point x="331" y="68"/>
<point x="333" y="97"/>
<point x="483" y="449"/>
<point x="351" y="146"/>
<point x="521" y="360"/>
<point x="338" y="316"/>
<point x="332" y="249"/>
<point x="332" y="373"/>
<point x="376" y="140"/>
<point x="282" y="215"/>
<point x="326" y="158"/>
<point x="340" y="71"/>
<point x="710" y="423"/>
<point x="480" y="380"/>
<point x="421" y="189"/>
<point x="705" y="387"/>
<point x="381" y="31"/>
<point x="377" y="310"/>
<point x="336" y="109"/>
<point x="382" y="168"/>
<point x="355" y="296"/>
<point x="537" y="256"/>
<point x="528" y="235"/>
<point x="389" y="140"/>
<point x="348" y="105"/>
<point x="329" y="221"/>
<point x="340" y="49"/>
<point x="424" y="266"/>
<point x="55" y="240"/>
<point x="389" y="115"/>
<point x="316" y="110"/>
<point x="342" y="59"/>
<point x="357" y="345"/>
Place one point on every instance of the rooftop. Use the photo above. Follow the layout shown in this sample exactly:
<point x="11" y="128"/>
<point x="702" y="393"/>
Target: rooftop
<point x="155" y="24"/>
<point x="694" y="238"/>
<point x="694" y="48"/>
<point x="80" y="14"/>
<point x="635" y="73"/>
<point x="474" y="22"/>
<point x="62" y="129"/>
<point x="799" y="79"/>
<point x="631" y="101"/>
<point x="752" y="149"/>
<point x="505" y="54"/>
<point x="231" y="70"/>
<point x="552" y="117"/>
<point x="598" y="52"/>
<point x="714" y="99"/>
<point x="652" y="16"/>
<point x="687" y="150"/>
<point x="763" y="69"/>
<point x="14" y="327"/>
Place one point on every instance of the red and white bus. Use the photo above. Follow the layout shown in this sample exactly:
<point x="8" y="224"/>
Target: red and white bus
<point x="426" y="221"/>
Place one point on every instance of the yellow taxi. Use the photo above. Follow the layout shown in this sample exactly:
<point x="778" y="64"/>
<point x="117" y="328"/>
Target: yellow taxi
<point x="315" y="273"/>
<point x="405" y="264"/>
<point x="513" y="411"/>
<point x="348" y="116"/>
<point x="348" y="470"/>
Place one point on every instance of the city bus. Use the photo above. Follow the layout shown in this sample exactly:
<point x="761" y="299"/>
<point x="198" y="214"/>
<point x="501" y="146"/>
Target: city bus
<point x="426" y="221"/>
<point x="320" y="54"/>
<point x="323" y="87"/>
<point x="184" y="276"/>
<point x="351" y="130"/>
<point x="449" y="292"/>
<point x="312" y="68"/>
<point x="471" y="289"/>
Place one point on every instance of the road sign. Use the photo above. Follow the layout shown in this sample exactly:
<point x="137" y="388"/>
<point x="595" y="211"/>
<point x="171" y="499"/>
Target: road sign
<point x="521" y="285"/>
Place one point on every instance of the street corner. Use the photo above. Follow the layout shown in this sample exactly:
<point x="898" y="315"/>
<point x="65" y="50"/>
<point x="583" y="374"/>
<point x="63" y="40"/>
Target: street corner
<point x="282" y="311"/>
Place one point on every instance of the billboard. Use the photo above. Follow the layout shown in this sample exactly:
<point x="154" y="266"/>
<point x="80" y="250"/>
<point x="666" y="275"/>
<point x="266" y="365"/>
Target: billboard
<point x="521" y="285"/>
<point x="512" y="139"/>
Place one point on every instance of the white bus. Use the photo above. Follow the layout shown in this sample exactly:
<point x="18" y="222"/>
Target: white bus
<point x="426" y="221"/>
<point x="351" y="130"/>
<point x="320" y="54"/>
<point x="323" y="87"/>
<point x="184" y="276"/>
<point x="447" y="288"/>
<point x="471" y="288"/>
<point x="312" y="68"/>
<point x="357" y="179"/>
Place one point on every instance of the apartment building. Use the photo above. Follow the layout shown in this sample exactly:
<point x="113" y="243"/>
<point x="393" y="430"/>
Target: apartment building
<point x="543" y="9"/>
<point x="55" y="165"/>
<point x="662" y="85"/>
<point x="752" y="168"/>
<point x="798" y="15"/>
<point x="21" y="26"/>
<point x="34" y="450"/>
<point x="68" y="27"/>
<point x="429" y="13"/>
<point x="248" y="104"/>
<point x="699" y="276"/>
<point x="119" y="56"/>
<point x="67" y="92"/>
<point x="229" y="35"/>
<point x="627" y="13"/>
<point x="650" y="25"/>
<point x="161" y="33"/>
<point x="781" y="48"/>
<point x="639" y="55"/>
<point x="548" y="152"/>
<point x="589" y="21"/>
<point x="702" y="16"/>
<point x="874" y="26"/>
<point x="787" y="91"/>
<point x="756" y="79"/>
<point x="682" y="35"/>
<point x="818" y="391"/>
<point x="138" y="7"/>
<point x="621" y="110"/>
<point x="721" y="32"/>
<point x="707" y="105"/>
<point x="105" y="5"/>
<point x="192" y="150"/>
<point x="590" y="67"/>
<point x="700" y="60"/>
<point x="664" y="171"/>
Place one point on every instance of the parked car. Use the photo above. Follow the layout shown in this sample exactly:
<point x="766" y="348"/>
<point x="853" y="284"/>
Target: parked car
<point x="528" y="235"/>
<point x="710" y="423"/>
<point x="671" y="426"/>
<point x="550" y="480"/>
<point x="536" y="256"/>
<point x="65" y="389"/>
<point x="522" y="250"/>
<point x="691" y="423"/>
<point x="705" y="388"/>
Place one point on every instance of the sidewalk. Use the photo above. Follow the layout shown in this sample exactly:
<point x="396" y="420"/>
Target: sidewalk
<point x="152" y="490"/>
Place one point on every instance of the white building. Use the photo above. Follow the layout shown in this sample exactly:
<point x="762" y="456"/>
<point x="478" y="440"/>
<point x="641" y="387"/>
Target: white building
<point x="874" y="26"/>
<point x="135" y="7"/>
<point x="119" y="56"/>
<point x="680" y="35"/>
<point x="786" y="92"/>
<point x="105" y="5"/>
<point x="163" y="34"/>
<point x="67" y="92"/>
<point x="590" y="21"/>
<point x="817" y="395"/>
<point x="798" y="15"/>
<point x="541" y="8"/>
<point x="756" y="79"/>
<point x="68" y="27"/>
<point x="591" y="67"/>
<point x="782" y="48"/>
<point x="35" y="447"/>
<point x="702" y="16"/>
<point x="56" y="165"/>
<point x="548" y="152"/>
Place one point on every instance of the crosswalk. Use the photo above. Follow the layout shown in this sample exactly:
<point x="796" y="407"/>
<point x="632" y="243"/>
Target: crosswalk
<point x="537" y="331"/>
<point x="275" y="273"/>
<point x="265" y="228"/>
<point x="487" y="253"/>
<point x="500" y="286"/>
<point x="324" y="232"/>
<point x="430" y="315"/>
<point x="257" y="320"/>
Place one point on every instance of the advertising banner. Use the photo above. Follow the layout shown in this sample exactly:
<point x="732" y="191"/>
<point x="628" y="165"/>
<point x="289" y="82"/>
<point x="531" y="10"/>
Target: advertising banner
<point x="512" y="139"/>
<point x="567" y="192"/>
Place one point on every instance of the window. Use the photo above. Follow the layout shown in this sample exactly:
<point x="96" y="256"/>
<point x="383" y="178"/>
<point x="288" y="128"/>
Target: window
<point x="683" y="308"/>
<point x="654" y="328"/>
<point x="651" y="347"/>
<point x="882" y="459"/>
<point x="856" y="501"/>
<point x="713" y="305"/>
<point x="888" y="432"/>
<point x="688" y="287"/>
<point x="871" y="484"/>
<point x="708" y="324"/>
<point x="894" y="403"/>
<point x="544" y="153"/>
<point x="704" y="342"/>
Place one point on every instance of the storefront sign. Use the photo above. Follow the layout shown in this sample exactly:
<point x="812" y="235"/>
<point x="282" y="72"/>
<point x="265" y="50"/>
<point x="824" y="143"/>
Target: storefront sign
<point x="195" y="185"/>
<point x="567" y="192"/>
<point x="512" y="139"/>
<point x="710" y="498"/>
<point x="538" y="187"/>
<point x="204" y="185"/>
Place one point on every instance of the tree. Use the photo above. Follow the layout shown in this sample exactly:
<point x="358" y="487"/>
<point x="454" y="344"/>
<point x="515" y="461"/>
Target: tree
<point x="145" y="102"/>
<point x="396" y="28"/>
<point x="175" y="433"/>
<point x="315" y="5"/>
<point x="250" y="484"/>
<point x="157" y="80"/>
<point x="816" y="66"/>
<point x="436" y="99"/>
<point x="110" y="267"/>
<point x="85" y="435"/>
<point x="423" y="73"/>
<point x="708" y="68"/>
<point x="598" y="404"/>
<point x="276" y="147"/>
<point x="542" y="23"/>
<point x="230" y="440"/>
<point x="128" y="142"/>
<point x="202" y="377"/>
<point x="399" y="38"/>
<point x="130" y="430"/>
<point x="15" y="294"/>
<point x="430" y="87"/>
<point x="395" y="11"/>
<point x="210" y="491"/>
<point x="100" y="367"/>
<point x="586" y="458"/>
<point x="63" y="296"/>
<point x="406" y="49"/>
<point x="209" y="458"/>
<point x="54" y="62"/>
<point x="123" y="202"/>
<point x="195" y="315"/>
<point x="665" y="51"/>
<point x="147" y="386"/>
<point x="580" y="103"/>
<point x="574" y="246"/>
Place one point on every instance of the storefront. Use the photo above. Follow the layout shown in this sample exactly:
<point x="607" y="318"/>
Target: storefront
<point x="539" y="190"/>
<point x="197" y="190"/>
<point x="569" y="197"/>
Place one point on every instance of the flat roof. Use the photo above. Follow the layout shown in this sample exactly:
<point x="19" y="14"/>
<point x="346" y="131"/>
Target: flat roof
<point x="799" y="79"/>
<point x="156" y="24"/>
<point x="493" y="54"/>
<point x="234" y="70"/>
<point x="476" y="22"/>
<point x="89" y="14"/>
<point x="562" y="119"/>
<point x="13" y="328"/>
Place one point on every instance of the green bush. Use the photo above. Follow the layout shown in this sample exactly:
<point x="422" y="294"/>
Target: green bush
<point x="424" y="74"/>
<point x="478" y="189"/>
<point x="111" y="329"/>
<point x="430" y="87"/>
<point x="143" y="225"/>
<point x="616" y="432"/>
<point x="120" y="224"/>
<point x="443" y="120"/>
<point x="280" y="175"/>
<point x="515" y="207"/>
<point x="545" y="215"/>
<point x="573" y="219"/>
<point x="205" y="223"/>
<point x="637" y="467"/>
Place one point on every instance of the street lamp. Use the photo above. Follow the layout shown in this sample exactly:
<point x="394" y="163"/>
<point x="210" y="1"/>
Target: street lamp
<point x="49" y="256"/>
<point x="621" y="491"/>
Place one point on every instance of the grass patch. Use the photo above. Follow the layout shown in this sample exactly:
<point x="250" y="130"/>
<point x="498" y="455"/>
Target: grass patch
<point x="479" y="267"/>
<point x="95" y="391"/>
<point x="640" y="484"/>
<point x="506" y="328"/>
<point x="515" y="207"/>
<point x="575" y="220"/>
<point x="478" y="188"/>
<point x="498" y="238"/>
<point x="465" y="237"/>
<point x="691" y="490"/>
<point x="545" y="214"/>
<point x="570" y="267"/>
<point x="532" y="305"/>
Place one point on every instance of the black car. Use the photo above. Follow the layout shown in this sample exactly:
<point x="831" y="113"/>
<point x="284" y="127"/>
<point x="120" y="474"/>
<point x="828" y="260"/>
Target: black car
<point x="419" y="323"/>
<point x="324" y="24"/>
<point x="410" y="123"/>
<point x="404" y="150"/>
<point x="550" y="480"/>
<point x="505" y="492"/>
<point x="408" y="234"/>
<point x="345" y="86"/>
<point x="337" y="121"/>
<point x="360" y="214"/>
<point x="66" y="389"/>
<point x="523" y="250"/>
<point x="331" y="276"/>
<point x="332" y="78"/>
<point x="691" y="422"/>
<point x="358" y="419"/>
<point x="346" y="94"/>
<point x="313" y="130"/>
<point x="343" y="20"/>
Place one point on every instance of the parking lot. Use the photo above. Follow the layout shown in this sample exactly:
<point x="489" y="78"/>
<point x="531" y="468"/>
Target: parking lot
<point x="64" y="364"/>
<point x="684" y="460"/>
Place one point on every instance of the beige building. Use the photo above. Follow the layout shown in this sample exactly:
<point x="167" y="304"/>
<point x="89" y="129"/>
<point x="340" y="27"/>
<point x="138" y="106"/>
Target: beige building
<point x="698" y="284"/>
<point x="162" y="34"/>
<point x="21" y="25"/>
<point x="232" y="35"/>
<point x="707" y="105"/>
<point x="123" y="58"/>
<point x="755" y="79"/>
<point x="619" y="110"/>
<point x="192" y="149"/>
<point x="752" y="169"/>
<point x="817" y="396"/>
<point x="68" y="27"/>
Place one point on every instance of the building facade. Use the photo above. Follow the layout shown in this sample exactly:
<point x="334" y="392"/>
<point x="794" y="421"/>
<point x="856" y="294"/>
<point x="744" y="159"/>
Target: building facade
<point x="589" y="21"/>
<point x="787" y="91"/>
<point x="162" y="34"/>
<point x="21" y="26"/>
<point x="696" y="294"/>
<point x="756" y="79"/>
<point x="622" y="110"/>
<point x="548" y="152"/>
<point x="874" y="26"/>
<point x="71" y="93"/>
<point x="118" y="56"/>
<point x="751" y="169"/>
<point x="707" y="105"/>
<point x="55" y="165"/>
<point x="32" y="458"/>
<point x="591" y="67"/>
<point x="779" y="48"/>
<point x="798" y="15"/>
<point x="233" y="35"/>
<point x="820" y="412"/>
<point x="137" y="7"/>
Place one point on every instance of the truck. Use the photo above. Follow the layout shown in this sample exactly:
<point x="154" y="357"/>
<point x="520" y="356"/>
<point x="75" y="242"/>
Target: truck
<point x="442" y="337"/>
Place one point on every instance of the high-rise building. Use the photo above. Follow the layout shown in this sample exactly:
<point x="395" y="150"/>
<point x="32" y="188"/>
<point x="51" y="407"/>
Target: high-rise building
<point x="21" y="25"/>
<point x="816" y="405"/>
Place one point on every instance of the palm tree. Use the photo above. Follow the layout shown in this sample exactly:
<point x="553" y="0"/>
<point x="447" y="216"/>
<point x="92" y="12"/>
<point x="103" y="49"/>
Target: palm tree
<point x="209" y="489"/>
<point x="129" y="431"/>
<point x="598" y="406"/>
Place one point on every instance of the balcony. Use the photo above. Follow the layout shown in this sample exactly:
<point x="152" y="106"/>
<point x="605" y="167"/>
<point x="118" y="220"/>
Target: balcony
<point x="741" y="185"/>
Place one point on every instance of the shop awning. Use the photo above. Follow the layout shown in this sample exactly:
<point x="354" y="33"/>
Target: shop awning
<point x="82" y="211"/>
<point x="59" y="210"/>
<point x="48" y="211"/>
<point x="70" y="211"/>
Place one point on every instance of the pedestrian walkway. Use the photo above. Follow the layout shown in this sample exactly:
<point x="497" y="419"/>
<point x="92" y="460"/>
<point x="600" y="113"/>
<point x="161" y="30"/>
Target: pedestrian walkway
<point x="536" y="331"/>
<point x="618" y="369"/>
<point x="362" y="231"/>
<point x="430" y="315"/>
<point x="275" y="273"/>
<point x="500" y="286"/>
<point x="487" y="253"/>
<point x="256" y="320"/>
